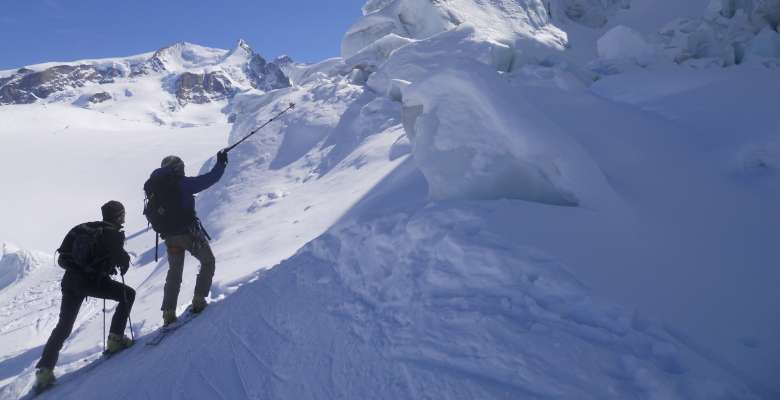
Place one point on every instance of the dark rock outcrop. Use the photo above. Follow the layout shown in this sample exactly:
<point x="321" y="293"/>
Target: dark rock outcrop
<point x="99" y="97"/>
<point x="202" y="88"/>
<point x="264" y="75"/>
<point x="153" y="64"/>
<point x="26" y="86"/>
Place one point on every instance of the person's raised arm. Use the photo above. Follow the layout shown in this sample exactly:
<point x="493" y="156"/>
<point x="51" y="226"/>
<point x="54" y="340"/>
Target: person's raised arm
<point x="197" y="184"/>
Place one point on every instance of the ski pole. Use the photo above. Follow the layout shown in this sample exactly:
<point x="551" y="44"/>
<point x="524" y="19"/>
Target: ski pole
<point x="104" y="325"/>
<point x="127" y="304"/>
<point x="292" y="105"/>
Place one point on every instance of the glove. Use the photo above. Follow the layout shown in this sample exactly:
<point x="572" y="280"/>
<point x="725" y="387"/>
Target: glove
<point x="222" y="157"/>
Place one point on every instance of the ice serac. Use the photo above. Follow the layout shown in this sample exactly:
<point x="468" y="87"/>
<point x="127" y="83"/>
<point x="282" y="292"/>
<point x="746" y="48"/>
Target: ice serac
<point x="15" y="264"/>
<point x="622" y="42"/>
<point x="504" y="21"/>
<point x="730" y="32"/>
<point x="590" y="13"/>
<point x="444" y="61"/>
<point x="473" y="137"/>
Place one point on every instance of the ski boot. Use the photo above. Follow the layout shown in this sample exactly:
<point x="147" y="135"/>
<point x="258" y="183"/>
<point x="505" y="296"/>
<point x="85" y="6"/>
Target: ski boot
<point x="169" y="317"/>
<point x="117" y="343"/>
<point x="198" y="304"/>
<point x="44" y="379"/>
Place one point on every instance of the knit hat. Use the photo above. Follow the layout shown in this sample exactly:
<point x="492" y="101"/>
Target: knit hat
<point x="175" y="163"/>
<point x="112" y="210"/>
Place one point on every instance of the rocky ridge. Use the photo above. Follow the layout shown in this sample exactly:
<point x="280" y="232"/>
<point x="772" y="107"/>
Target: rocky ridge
<point x="198" y="74"/>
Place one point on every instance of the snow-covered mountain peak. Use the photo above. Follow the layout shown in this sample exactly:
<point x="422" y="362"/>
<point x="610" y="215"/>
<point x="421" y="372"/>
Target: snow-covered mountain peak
<point x="241" y="53"/>
<point x="154" y="86"/>
<point x="183" y="56"/>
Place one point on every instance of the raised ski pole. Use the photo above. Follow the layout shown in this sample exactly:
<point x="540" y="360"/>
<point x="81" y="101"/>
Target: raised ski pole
<point x="129" y="320"/>
<point x="226" y="150"/>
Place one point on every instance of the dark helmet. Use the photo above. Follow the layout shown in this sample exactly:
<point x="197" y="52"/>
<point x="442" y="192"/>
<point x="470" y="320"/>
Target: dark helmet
<point x="174" y="163"/>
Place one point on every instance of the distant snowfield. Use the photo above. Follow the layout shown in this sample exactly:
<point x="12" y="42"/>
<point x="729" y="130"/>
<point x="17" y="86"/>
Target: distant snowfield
<point x="61" y="163"/>
<point x="458" y="209"/>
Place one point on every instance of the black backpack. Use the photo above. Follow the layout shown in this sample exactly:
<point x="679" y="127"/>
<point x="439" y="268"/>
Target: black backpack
<point x="162" y="207"/>
<point x="83" y="249"/>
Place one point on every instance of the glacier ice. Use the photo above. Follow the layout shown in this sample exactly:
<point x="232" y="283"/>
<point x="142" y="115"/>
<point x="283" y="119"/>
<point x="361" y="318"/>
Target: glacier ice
<point x="622" y="42"/>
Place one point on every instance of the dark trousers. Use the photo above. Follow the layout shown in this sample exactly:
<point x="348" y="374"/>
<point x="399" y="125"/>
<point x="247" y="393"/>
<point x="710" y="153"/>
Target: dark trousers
<point x="74" y="290"/>
<point x="198" y="247"/>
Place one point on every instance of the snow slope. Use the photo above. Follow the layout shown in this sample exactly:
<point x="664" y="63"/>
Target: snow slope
<point x="429" y="304"/>
<point x="456" y="210"/>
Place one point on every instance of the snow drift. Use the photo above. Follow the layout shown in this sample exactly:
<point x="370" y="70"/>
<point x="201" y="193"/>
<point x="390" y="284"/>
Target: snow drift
<point x="16" y="264"/>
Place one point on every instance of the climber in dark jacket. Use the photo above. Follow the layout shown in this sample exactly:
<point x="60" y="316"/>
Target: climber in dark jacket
<point x="84" y="279"/>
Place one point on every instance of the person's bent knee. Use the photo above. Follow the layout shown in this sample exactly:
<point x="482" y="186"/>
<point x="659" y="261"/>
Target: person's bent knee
<point x="130" y="295"/>
<point x="175" y="250"/>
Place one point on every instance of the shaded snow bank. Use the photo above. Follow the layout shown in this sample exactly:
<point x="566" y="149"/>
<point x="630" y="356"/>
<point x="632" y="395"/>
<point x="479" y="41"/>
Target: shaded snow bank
<point x="439" y="292"/>
<point x="423" y="305"/>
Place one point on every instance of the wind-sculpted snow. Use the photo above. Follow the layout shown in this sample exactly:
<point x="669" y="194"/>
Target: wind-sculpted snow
<point x="16" y="264"/>
<point x="438" y="292"/>
<point x="475" y="138"/>
<point x="506" y="21"/>
<point x="377" y="52"/>
<point x="472" y="135"/>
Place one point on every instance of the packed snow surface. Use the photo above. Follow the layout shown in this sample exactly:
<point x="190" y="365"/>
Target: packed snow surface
<point x="479" y="199"/>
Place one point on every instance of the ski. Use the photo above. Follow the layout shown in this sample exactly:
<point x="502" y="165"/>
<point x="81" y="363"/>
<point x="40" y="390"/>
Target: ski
<point x="185" y="317"/>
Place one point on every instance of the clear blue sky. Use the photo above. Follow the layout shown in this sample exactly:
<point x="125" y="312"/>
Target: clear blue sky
<point x="35" y="31"/>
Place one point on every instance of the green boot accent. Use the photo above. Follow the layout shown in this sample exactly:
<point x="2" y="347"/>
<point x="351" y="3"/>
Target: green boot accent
<point x="198" y="304"/>
<point x="169" y="317"/>
<point x="117" y="343"/>
<point x="44" y="377"/>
